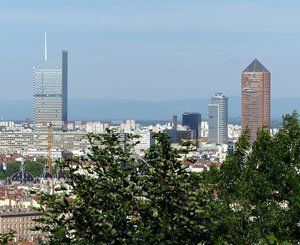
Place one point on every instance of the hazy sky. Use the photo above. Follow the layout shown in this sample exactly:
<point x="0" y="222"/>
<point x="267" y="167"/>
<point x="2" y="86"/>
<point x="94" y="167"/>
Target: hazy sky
<point x="151" y="49"/>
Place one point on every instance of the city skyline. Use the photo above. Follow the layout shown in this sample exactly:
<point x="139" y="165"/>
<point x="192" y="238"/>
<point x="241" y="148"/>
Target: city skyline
<point x="155" y="122"/>
<point x="149" y="48"/>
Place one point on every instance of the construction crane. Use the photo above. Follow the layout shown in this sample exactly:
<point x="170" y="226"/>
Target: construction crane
<point x="50" y="146"/>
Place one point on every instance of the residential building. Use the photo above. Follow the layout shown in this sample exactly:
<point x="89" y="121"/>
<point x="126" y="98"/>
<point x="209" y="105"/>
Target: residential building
<point x="20" y="221"/>
<point x="145" y="141"/>
<point x="96" y="127"/>
<point x="16" y="142"/>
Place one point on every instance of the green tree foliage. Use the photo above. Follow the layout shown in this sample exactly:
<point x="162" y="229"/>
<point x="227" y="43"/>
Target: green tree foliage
<point x="259" y="189"/>
<point x="7" y="237"/>
<point x="35" y="168"/>
<point x="171" y="210"/>
<point x="122" y="199"/>
<point x="253" y="198"/>
<point x="11" y="168"/>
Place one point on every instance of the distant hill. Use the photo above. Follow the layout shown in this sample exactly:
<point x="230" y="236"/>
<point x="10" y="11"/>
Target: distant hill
<point x="108" y="109"/>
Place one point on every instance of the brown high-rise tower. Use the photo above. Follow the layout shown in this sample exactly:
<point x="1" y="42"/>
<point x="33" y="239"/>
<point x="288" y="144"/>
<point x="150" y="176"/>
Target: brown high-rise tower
<point x="255" y="98"/>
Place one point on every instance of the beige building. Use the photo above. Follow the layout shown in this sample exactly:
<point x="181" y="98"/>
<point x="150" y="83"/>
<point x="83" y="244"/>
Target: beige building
<point x="20" y="222"/>
<point x="255" y="98"/>
<point x="12" y="142"/>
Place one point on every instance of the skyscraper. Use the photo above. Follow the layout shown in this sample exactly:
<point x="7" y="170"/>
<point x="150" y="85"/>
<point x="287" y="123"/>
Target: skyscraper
<point x="255" y="98"/>
<point x="193" y="121"/>
<point x="50" y="90"/>
<point x="218" y="119"/>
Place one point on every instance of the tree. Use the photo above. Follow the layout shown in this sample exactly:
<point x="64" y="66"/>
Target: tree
<point x="11" y="168"/>
<point x="172" y="210"/>
<point x="123" y="199"/>
<point x="35" y="168"/>
<point x="259" y="188"/>
<point x="103" y="198"/>
<point x="7" y="237"/>
<point x="254" y="198"/>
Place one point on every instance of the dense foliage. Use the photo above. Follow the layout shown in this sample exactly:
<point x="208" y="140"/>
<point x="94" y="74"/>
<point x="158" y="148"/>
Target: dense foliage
<point x="7" y="237"/>
<point x="260" y="188"/>
<point x="35" y="168"/>
<point x="124" y="199"/>
<point x="254" y="198"/>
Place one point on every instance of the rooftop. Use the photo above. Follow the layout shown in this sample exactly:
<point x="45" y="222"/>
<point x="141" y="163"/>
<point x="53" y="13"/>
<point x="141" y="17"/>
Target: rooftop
<point x="255" y="66"/>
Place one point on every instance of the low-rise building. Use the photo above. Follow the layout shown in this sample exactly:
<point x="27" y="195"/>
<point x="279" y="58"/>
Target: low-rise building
<point x="145" y="140"/>
<point x="21" y="221"/>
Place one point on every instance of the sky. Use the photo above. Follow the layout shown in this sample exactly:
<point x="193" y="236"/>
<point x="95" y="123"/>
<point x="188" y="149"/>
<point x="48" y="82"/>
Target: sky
<point x="151" y="50"/>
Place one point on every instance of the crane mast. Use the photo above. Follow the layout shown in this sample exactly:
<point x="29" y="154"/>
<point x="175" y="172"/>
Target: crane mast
<point x="50" y="146"/>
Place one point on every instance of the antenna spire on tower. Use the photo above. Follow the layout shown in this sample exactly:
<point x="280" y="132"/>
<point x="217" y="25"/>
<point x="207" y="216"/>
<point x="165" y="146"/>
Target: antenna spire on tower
<point x="46" y="54"/>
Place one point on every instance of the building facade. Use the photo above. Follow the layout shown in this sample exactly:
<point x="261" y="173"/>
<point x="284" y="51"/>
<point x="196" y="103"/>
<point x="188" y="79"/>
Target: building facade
<point x="144" y="142"/>
<point x="255" y="89"/>
<point x="192" y="120"/>
<point x="50" y="91"/>
<point x="20" y="221"/>
<point x="13" y="142"/>
<point x="178" y="134"/>
<point x="218" y="119"/>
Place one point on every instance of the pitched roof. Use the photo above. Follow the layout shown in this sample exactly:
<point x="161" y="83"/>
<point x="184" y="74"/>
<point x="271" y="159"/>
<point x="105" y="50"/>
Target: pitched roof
<point x="255" y="66"/>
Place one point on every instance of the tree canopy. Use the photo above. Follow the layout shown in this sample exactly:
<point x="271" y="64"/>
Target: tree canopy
<point x="259" y="188"/>
<point x="253" y="198"/>
<point x="35" y="168"/>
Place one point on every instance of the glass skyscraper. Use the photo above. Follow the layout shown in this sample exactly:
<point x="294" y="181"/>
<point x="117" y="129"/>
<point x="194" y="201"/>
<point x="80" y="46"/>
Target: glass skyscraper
<point x="50" y="91"/>
<point x="218" y="119"/>
<point x="193" y="121"/>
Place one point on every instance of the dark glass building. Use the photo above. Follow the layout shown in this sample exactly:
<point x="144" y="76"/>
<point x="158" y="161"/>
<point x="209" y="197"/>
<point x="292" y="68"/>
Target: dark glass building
<point x="177" y="136"/>
<point x="193" y="121"/>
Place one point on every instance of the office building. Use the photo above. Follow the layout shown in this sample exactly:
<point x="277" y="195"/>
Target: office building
<point x="178" y="134"/>
<point x="218" y="119"/>
<point x="192" y="120"/>
<point x="255" y="91"/>
<point x="50" y="91"/>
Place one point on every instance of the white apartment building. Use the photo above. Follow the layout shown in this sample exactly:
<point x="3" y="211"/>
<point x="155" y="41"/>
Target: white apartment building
<point x="129" y="126"/>
<point x="146" y="140"/>
<point x="7" y="125"/>
<point x="96" y="127"/>
<point x="16" y="142"/>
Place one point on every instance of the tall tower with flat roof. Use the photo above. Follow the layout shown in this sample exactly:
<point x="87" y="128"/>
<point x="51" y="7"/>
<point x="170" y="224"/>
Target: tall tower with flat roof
<point x="218" y="119"/>
<point x="50" y="90"/>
